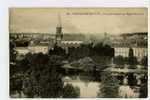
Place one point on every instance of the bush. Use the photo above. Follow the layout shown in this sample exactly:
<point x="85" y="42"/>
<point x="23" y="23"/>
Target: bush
<point x="71" y="92"/>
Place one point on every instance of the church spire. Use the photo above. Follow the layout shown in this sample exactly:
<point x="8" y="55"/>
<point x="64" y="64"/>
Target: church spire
<point x="59" y="20"/>
<point x="59" y="34"/>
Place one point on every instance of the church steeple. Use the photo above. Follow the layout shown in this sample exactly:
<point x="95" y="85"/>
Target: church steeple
<point x="59" y="20"/>
<point x="59" y="33"/>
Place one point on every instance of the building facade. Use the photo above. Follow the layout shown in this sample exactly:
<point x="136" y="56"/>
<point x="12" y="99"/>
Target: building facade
<point x="138" y="52"/>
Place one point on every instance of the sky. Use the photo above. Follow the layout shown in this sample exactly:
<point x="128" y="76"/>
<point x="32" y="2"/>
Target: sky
<point x="78" y="20"/>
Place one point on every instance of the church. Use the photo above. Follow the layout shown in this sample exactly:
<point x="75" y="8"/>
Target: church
<point x="59" y="38"/>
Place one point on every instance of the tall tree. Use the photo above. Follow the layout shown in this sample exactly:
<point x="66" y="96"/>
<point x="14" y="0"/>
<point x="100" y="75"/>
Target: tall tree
<point x="109" y="86"/>
<point x="144" y="90"/>
<point x="132" y="60"/>
<point x="131" y="53"/>
<point x="144" y="61"/>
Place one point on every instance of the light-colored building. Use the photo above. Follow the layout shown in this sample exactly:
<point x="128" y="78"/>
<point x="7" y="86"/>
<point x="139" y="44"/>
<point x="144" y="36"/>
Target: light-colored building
<point x="38" y="49"/>
<point x="22" y="50"/>
<point x="137" y="51"/>
<point x="32" y="49"/>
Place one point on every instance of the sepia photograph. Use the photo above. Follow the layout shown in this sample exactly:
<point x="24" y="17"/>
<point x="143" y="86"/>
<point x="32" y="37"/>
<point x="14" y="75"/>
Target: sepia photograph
<point x="78" y="52"/>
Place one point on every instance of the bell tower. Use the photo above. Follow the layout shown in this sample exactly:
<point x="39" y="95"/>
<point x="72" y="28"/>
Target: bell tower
<point x="59" y="34"/>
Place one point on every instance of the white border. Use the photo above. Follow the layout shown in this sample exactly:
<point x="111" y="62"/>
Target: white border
<point x="4" y="33"/>
<point x="78" y="3"/>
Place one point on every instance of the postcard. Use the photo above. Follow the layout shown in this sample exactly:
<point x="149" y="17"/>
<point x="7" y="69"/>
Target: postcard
<point x="78" y="52"/>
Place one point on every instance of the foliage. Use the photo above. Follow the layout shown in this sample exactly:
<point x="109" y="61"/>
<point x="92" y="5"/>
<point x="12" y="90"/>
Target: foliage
<point x="119" y="60"/>
<point x="23" y="65"/>
<point x="57" y="51"/>
<point x="12" y="51"/>
<point x="106" y="50"/>
<point x="16" y="83"/>
<point x="131" y="52"/>
<point x="21" y="43"/>
<point x="41" y="74"/>
<point x="144" y="90"/>
<point x="90" y="50"/>
<point x="144" y="61"/>
<point x="43" y="80"/>
<point x="89" y="67"/>
<point x="132" y="79"/>
<point x="132" y="60"/>
<point x="109" y="86"/>
<point x="70" y="92"/>
<point x="15" y="78"/>
<point x="102" y="60"/>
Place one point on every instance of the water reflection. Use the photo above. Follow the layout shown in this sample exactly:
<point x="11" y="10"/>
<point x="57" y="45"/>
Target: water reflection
<point x="90" y="89"/>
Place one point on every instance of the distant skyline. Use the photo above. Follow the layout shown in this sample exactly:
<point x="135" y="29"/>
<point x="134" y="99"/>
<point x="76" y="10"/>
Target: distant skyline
<point x="79" y="20"/>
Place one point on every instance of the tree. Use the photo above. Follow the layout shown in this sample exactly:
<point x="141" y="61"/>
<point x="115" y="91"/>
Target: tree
<point x="70" y="92"/>
<point x="88" y="66"/>
<point x="144" y="90"/>
<point x="51" y="85"/>
<point x="144" y="61"/>
<point x="132" y="79"/>
<point x="132" y="60"/>
<point x="102" y="50"/>
<point x="57" y="51"/>
<point x="43" y="78"/>
<point x="109" y="86"/>
<point x="13" y="53"/>
<point x="131" y="52"/>
<point x="90" y="50"/>
<point x="119" y="60"/>
<point x="15" y="76"/>
<point x="16" y="83"/>
<point x="23" y="65"/>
